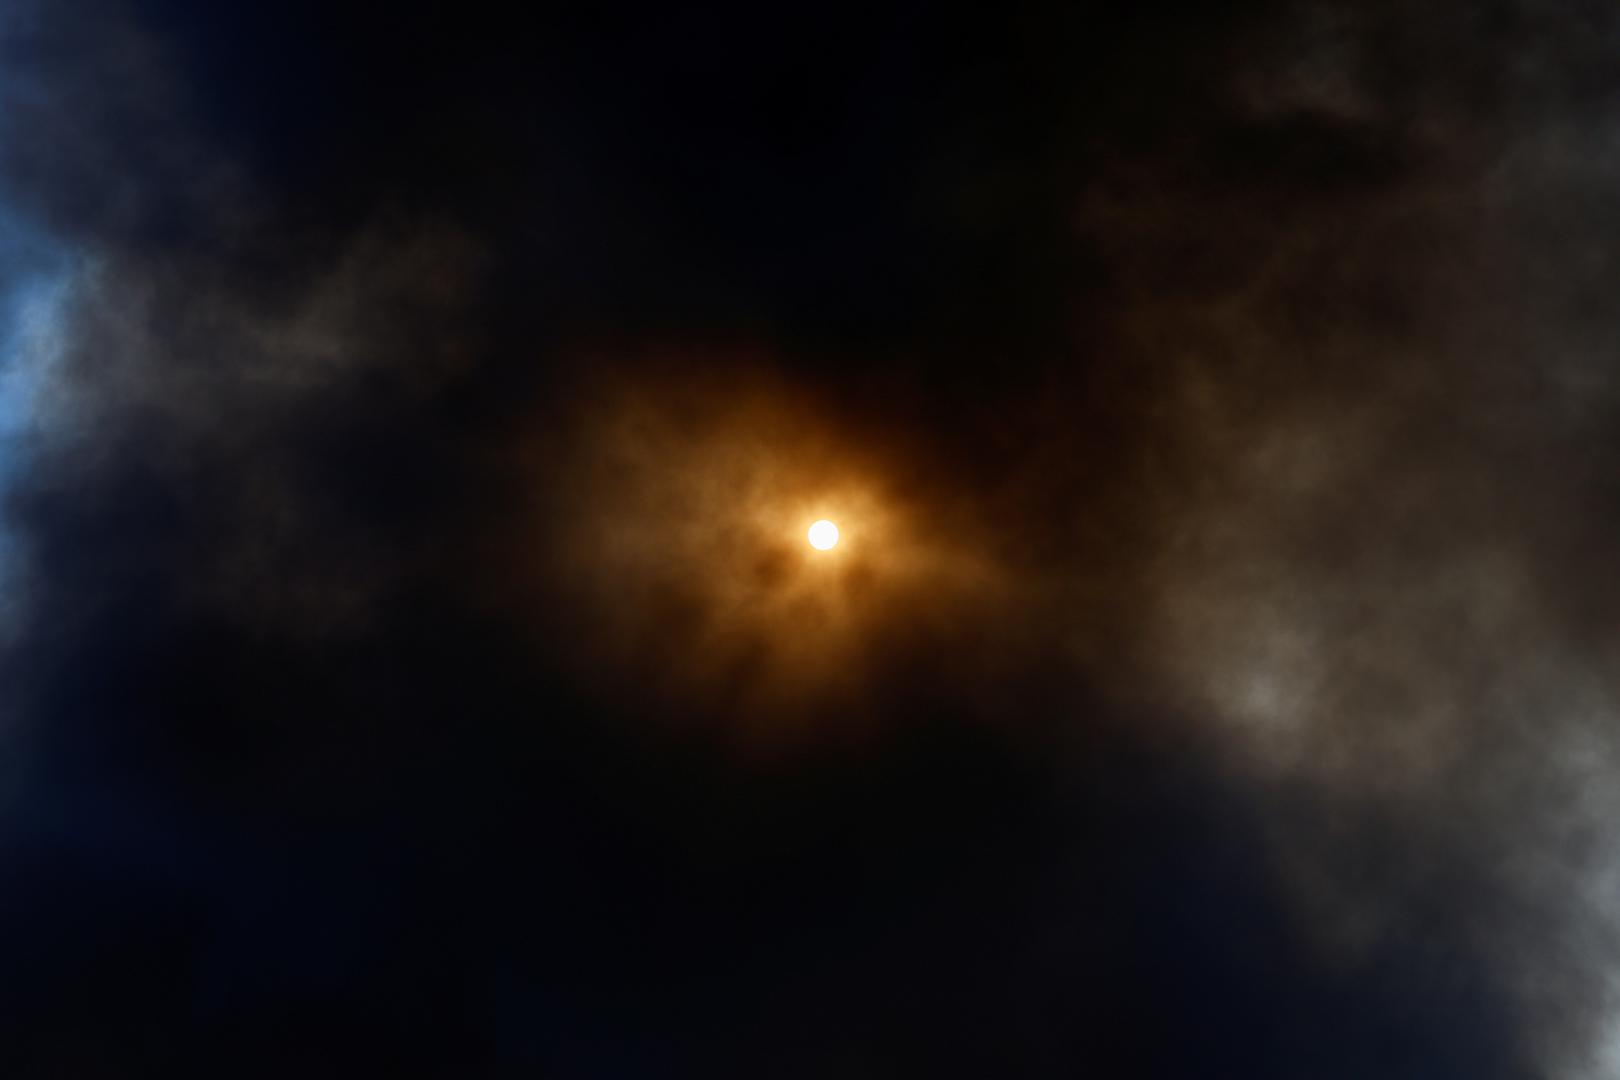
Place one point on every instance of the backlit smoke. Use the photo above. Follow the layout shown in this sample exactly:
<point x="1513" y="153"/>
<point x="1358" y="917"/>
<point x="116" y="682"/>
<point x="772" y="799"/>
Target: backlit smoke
<point x="404" y="475"/>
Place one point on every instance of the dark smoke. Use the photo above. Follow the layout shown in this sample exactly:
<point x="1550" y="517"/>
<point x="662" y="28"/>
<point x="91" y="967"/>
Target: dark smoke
<point x="408" y="661"/>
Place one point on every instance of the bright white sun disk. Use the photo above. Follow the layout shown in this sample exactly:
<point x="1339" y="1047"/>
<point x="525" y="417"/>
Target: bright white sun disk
<point x="823" y="535"/>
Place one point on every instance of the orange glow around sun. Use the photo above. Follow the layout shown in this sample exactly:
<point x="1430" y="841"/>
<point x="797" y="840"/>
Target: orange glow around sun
<point x="696" y="521"/>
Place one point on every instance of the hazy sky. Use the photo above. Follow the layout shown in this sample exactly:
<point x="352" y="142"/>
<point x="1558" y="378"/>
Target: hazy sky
<point x="411" y="661"/>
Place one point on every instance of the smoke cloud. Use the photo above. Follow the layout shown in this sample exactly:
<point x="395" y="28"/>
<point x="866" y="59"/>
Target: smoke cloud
<point x="411" y="657"/>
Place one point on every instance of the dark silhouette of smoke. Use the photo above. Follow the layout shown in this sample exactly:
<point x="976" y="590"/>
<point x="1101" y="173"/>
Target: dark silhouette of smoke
<point x="407" y="663"/>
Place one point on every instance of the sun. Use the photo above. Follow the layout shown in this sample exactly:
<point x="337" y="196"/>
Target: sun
<point x="823" y="535"/>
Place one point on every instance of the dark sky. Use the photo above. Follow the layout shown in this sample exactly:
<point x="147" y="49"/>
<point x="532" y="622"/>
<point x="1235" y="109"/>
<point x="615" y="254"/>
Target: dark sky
<point x="411" y="662"/>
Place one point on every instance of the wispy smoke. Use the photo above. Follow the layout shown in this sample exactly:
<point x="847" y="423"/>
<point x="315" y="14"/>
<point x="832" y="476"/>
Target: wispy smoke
<point x="1384" y="585"/>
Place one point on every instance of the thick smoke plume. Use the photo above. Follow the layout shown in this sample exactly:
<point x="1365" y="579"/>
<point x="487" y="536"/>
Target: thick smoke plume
<point x="410" y="657"/>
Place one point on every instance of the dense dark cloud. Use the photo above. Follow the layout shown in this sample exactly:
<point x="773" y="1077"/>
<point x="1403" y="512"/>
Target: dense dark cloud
<point x="411" y="661"/>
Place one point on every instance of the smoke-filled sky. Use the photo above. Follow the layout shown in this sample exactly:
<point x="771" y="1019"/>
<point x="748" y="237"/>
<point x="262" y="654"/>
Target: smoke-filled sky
<point x="412" y="662"/>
